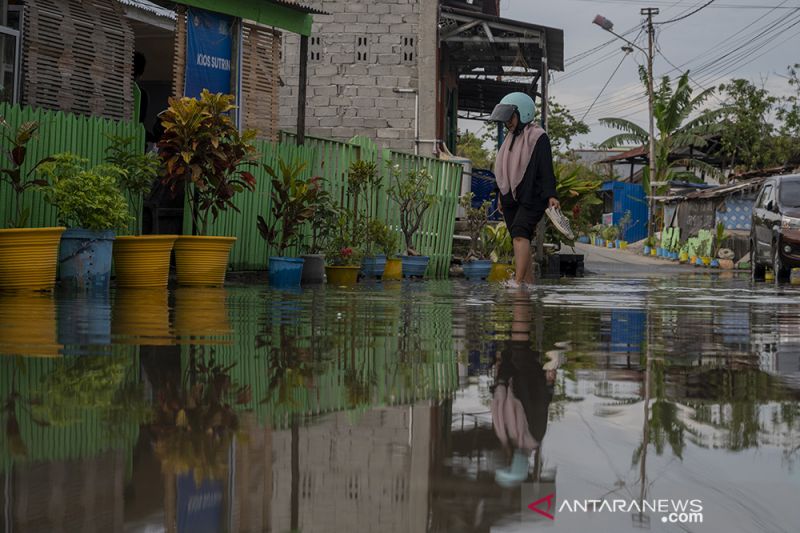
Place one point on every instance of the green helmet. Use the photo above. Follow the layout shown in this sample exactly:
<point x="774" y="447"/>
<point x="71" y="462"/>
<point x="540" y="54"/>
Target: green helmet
<point x="519" y="102"/>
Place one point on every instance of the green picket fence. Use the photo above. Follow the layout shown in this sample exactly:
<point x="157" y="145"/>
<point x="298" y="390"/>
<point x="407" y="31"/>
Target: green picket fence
<point x="331" y="160"/>
<point x="59" y="132"/>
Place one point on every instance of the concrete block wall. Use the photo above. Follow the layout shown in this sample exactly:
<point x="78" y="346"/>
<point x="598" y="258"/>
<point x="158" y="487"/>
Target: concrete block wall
<point x="351" y="83"/>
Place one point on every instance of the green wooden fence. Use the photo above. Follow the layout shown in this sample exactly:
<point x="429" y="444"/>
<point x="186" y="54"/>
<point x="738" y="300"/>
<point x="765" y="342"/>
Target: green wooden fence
<point x="84" y="136"/>
<point x="331" y="160"/>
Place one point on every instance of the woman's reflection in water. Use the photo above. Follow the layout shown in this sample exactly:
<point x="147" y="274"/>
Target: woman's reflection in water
<point x="521" y="395"/>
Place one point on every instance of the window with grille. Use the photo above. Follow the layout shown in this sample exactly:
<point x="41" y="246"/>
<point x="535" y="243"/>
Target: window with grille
<point x="362" y="49"/>
<point x="409" y="50"/>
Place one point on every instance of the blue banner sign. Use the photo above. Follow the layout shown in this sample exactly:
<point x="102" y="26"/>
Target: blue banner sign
<point x="199" y="507"/>
<point x="208" y="53"/>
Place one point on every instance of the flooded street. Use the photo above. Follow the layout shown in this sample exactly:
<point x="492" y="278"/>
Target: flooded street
<point x="417" y="406"/>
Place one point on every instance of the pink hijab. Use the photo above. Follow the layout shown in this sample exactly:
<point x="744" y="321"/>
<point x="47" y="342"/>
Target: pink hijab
<point x="510" y="166"/>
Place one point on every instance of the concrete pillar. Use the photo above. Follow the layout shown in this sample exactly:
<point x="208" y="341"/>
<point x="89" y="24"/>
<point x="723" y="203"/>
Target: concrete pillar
<point x="427" y="63"/>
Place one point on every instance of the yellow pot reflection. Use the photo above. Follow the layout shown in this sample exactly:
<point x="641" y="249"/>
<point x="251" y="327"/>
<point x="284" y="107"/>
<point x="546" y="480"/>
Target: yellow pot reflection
<point x="201" y="312"/>
<point x="500" y="272"/>
<point x="28" y="324"/>
<point x="141" y="316"/>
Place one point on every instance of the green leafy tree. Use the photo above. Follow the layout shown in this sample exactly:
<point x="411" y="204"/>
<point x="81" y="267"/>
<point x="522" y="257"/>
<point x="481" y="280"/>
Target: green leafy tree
<point x="672" y="109"/>
<point x="562" y="127"/>
<point x="789" y="114"/>
<point x="747" y="133"/>
<point x="473" y="147"/>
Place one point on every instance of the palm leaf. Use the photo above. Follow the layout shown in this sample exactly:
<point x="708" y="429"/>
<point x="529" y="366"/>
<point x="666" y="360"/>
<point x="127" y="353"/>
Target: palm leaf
<point x="620" y="140"/>
<point x="626" y="126"/>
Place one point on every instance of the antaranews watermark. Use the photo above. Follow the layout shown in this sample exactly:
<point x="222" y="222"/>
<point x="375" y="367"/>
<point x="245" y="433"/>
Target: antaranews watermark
<point x="673" y="511"/>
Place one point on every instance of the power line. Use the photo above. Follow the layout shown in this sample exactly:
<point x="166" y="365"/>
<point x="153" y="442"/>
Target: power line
<point x="604" y="86"/>
<point x="687" y="15"/>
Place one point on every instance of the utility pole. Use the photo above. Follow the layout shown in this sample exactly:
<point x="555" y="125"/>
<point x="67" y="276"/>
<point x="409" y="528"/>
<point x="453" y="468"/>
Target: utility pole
<point x="649" y="12"/>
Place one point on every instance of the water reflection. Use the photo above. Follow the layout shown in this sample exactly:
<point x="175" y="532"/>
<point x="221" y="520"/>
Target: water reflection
<point x="434" y="406"/>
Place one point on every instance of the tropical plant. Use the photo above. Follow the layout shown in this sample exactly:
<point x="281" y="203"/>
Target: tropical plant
<point x="345" y="245"/>
<point x="410" y="192"/>
<point x="141" y="170"/>
<point x="84" y="197"/>
<point x="672" y="110"/>
<point x="610" y="233"/>
<point x="321" y="223"/>
<point x="12" y="174"/>
<point x="719" y="238"/>
<point x="294" y="201"/>
<point x="363" y="178"/>
<point x="577" y="187"/>
<point x="203" y="150"/>
<point x="624" y="223"/>
<point x="382" y="238"/>
<point x="498" y="240"/>
<point x="477" y="219"/>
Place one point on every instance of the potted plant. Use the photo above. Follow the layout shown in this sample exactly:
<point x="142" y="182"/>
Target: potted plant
<point x="294" y="201"/>
<point x="203" y="150"/>
<point x="498" y="240"/>
<point x="410" y="192"/>
<point x="343" y="255"/>
<point x="321" y="225"/>
<point x="381" y="243"/>
<point x="90" y="204"/>
<point x="28" y="256"/>
<point x="140" y="261"/>
<point x="363" y="181"/>
<point x="649" y="244"/>
<point x="477" y="264"/>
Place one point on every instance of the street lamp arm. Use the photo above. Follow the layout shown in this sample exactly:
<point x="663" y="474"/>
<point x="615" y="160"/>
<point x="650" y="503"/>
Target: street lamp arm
<point x="617" y="35"/>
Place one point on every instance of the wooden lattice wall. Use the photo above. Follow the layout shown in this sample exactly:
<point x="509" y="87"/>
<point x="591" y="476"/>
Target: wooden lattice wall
<point x="260" y="74"/>
<point x="78" y="57"/>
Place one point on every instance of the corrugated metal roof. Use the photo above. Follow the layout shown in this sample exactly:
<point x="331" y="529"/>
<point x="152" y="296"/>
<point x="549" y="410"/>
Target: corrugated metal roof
<point x="299" y="7"/>
<point x="150" y="7"/>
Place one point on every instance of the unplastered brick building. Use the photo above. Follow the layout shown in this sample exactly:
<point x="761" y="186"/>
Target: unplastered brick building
<point x="362" y="65"/>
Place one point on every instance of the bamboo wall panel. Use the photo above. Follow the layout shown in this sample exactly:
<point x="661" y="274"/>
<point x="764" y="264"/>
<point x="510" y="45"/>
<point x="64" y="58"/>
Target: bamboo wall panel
<point x="260" y="71"/>
<point x="78" y="57"/>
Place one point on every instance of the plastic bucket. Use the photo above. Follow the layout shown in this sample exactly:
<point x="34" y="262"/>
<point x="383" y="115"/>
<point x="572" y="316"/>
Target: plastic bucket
<point x="285" y="271"/>
<point x="373" y="267"/>
<point x="414" y="266"/>
<point x="646" y="250"/>
<point x="84" y="258"/>
<point x="313" y="269"/>
<point x="393" y="270"/>
<point x="478" y="269"/>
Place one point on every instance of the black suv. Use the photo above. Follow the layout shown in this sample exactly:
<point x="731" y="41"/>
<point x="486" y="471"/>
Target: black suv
<point x="775" y="227"/>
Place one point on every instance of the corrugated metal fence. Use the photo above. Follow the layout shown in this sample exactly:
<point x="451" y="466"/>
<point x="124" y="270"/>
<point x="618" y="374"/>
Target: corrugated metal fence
<point x="331" y="160"/>
<point x="58" y="132"/>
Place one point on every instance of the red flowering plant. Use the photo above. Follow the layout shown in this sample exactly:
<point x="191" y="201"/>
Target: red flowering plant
<point x="204" y="153"/>
<point x="345" y="246"/>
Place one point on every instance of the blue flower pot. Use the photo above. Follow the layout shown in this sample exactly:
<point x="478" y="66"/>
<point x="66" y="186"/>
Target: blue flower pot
<point x="414" y="266"/>
<point x="373" y="266"/>
<point x="646" y="250"/>
<point x="285" y="271"/>
<point x="583" y="239"/>
<point x="714" y="263"/>
<point x="84" y="320"/>
<point x="84" y="259"/>
<point x="477" y="269"/>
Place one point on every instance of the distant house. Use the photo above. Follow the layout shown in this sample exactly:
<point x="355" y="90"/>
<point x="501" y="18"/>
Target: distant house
<point x="405" y="71"/>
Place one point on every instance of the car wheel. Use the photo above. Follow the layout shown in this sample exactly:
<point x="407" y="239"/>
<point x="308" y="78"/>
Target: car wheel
<point x="757" y="270"/>
<point x="777" y="265"/>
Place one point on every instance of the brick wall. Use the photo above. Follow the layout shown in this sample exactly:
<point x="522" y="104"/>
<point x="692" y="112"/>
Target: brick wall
<point x="359" y="55"/>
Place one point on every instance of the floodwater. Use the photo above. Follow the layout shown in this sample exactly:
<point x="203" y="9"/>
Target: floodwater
<point x="423" y="406"/>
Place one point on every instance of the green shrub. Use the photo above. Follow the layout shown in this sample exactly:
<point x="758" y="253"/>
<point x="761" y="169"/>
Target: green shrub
<point x="87" y="198"/>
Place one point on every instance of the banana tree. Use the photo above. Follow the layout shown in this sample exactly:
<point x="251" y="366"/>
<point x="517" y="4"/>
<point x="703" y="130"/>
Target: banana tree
<point x="675" y="130"/>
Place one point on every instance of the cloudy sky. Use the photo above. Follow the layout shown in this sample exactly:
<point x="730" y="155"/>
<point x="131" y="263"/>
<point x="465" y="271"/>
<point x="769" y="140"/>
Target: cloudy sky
<point x="753" y="39"/>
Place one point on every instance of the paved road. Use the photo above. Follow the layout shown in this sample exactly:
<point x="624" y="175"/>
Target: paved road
<point x="622" y="262"/>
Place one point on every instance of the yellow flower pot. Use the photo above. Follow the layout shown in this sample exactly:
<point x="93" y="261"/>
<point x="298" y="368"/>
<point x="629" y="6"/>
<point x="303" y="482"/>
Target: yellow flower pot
<point x="500" y="272"/>
<point x="142" y="261"/>
<point x="393" y="270"/>
<point x="141" y="316"/>
<point x="683" y="257"/>
<point x="342" y="275"/>
<point x="28" y="324"/>
<point x="706" y="261"/>
<point x="202" y="261"/>
<point x="28" y="258"/>
<point x="653" y="252"/>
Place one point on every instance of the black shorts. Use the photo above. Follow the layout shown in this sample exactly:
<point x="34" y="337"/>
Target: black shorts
<point x="521" y="219"/>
